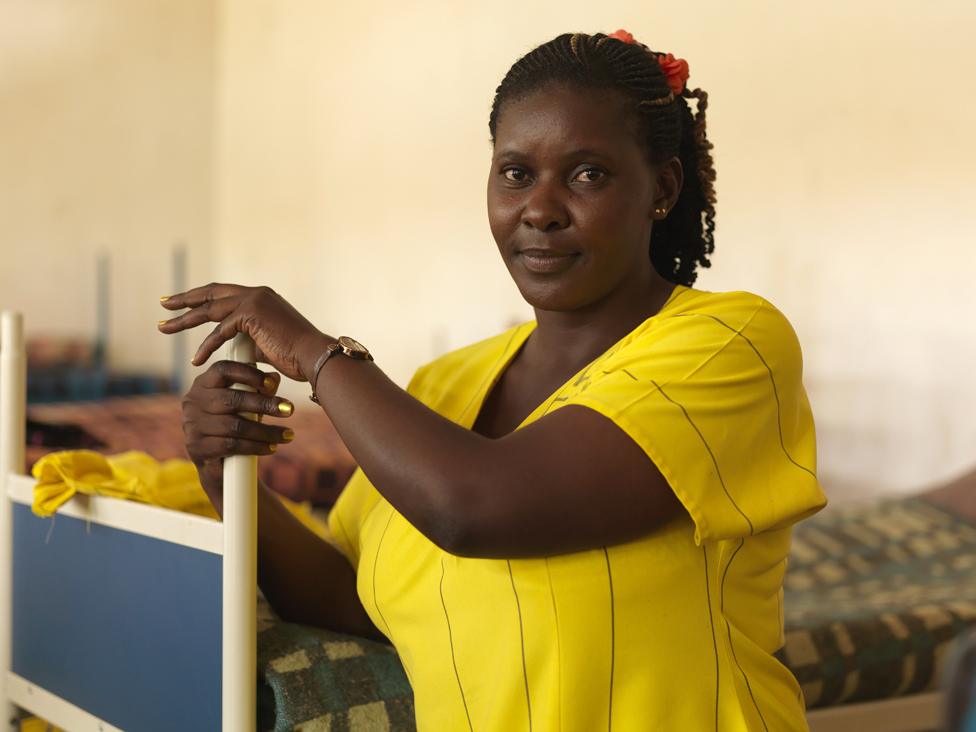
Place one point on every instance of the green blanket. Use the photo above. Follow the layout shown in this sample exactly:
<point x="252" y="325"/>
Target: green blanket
<point x="874" y="596"/>
<point x="318" y="681"/>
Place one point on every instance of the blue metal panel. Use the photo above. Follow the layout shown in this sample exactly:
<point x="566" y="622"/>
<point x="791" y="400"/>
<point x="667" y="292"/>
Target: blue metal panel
<point x="123" y="626"/>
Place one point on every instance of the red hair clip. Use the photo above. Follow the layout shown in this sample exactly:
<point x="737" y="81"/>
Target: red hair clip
<point x="675" y="69"/>
<point x="622" y="35"/>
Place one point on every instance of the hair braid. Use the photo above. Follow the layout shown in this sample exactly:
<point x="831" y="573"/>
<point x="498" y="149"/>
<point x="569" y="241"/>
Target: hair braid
<point x="667" y="128"/>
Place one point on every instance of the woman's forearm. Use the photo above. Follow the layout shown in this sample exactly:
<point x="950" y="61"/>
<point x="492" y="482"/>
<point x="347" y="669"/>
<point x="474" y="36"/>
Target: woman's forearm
<point x="422" y="463"/>
<point x="306" y="579"/>
<point x="538" y="491"/>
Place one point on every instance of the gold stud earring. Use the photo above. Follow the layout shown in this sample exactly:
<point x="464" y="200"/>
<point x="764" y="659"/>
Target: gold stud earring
<point x="661" y="211"/>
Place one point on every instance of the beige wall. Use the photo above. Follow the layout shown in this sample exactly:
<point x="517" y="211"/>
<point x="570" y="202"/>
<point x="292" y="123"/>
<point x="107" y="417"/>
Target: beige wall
<point x="106" y="125"/>
<point x="350" y="151"/>
<point x="353" y="151"/>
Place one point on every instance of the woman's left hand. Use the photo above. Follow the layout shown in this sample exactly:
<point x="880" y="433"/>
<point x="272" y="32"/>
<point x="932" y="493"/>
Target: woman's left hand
<point x="284" y="338"/>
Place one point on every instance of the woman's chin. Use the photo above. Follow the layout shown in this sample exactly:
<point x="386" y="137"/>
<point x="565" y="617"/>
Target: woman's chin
<point x="552" y="296"/>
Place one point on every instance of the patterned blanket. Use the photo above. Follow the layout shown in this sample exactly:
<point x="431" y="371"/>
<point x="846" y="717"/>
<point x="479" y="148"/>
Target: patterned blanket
<point x="318" y="681"/>
<point x="874" y="596"/>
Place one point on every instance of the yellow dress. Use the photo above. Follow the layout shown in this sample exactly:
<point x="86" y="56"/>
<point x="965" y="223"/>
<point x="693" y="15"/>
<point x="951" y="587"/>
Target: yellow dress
<point x="674" y="631"/>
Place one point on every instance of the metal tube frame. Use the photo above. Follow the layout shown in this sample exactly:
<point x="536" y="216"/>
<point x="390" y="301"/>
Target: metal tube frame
<point x="239" y="628"/>
<point x="13" y="408"/>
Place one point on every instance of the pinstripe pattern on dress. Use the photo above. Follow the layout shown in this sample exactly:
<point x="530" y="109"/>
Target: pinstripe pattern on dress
<point x="711" y="454"/>
<point x="772" y="381"/>
<point x="711" y="622"/>
<point x="450" y="638"/>
<point x="525" y="671"/>
<point x="728" y="626"/>
<point x="613" y="638"/>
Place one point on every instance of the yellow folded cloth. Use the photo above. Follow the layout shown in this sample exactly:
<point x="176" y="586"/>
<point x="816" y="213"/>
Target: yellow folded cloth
<point x="36" y="724"/>
<point x="132" y="475"/>
<point x="135" y="476"/>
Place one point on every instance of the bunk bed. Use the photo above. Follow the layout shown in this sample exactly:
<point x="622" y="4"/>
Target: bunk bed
<point x="130" y="616"/>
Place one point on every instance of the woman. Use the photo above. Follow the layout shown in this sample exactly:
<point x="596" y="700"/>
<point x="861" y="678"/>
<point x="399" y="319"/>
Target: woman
<point x="581" y="523"/>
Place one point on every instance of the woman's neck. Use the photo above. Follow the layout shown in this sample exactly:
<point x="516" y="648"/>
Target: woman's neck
<point x="577" y="337"/>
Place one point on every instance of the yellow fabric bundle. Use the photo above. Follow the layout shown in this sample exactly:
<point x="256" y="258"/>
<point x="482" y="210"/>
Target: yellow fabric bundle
<point x="36" y="724"/>
<point x="134" y="476"/>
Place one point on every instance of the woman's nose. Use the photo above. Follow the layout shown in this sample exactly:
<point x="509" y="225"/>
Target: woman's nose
<point x="544" y="208"/>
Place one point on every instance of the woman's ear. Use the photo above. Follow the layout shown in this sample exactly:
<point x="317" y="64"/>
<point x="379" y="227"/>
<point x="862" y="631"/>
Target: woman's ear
<point x="670" y="178"/>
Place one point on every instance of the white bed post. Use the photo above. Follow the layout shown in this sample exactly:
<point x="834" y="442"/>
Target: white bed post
<point x="240" y="577"/>
<point x="13" y="396"/>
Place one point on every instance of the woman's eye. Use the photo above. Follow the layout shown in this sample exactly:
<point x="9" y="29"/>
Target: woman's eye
<point x="514" y="175"/>
<point x="589" y="175"/>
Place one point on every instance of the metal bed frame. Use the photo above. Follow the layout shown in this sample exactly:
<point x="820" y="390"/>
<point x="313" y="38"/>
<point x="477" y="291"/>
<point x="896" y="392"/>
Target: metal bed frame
<point x="117" y="615"/>
<point x="111" y="618"/>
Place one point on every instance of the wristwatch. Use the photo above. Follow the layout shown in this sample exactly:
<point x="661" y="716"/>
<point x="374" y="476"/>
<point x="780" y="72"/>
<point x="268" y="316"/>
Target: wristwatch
<point x="349" y="347"/>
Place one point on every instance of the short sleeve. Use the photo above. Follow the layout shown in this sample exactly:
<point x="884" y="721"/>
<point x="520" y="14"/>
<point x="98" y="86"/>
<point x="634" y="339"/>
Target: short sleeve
<point x="714" y="396"/>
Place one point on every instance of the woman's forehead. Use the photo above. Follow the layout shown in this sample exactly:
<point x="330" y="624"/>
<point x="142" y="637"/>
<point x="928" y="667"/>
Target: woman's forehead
<point x="587" y="119"/>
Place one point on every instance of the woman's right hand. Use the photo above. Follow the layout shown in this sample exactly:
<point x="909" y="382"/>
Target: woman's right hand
<point x="214" y="427"/>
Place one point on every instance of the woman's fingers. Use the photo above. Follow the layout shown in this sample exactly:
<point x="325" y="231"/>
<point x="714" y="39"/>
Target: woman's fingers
<point x="199" y="296"/>
<point x="278" y="330"/>
<point x="234" y="401"/>
<point x="269" y="382"/>
<point x="210" y="303"/>
<point x="212" y="311"/>
<point x="214" y="396"/>
<point x="225" y="373"/>
<point x="240" y="428"/>
<point x="224" y="331"/>
<point x="212" y="413"/>
<point x="215" y="447"/>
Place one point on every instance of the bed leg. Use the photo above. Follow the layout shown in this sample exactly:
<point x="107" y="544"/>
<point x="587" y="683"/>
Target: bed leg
<point x="240" y="577"/>
<point x="13" y="395"/>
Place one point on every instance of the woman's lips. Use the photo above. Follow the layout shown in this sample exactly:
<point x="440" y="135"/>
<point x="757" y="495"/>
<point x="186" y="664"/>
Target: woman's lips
<point x="546" y="262"/>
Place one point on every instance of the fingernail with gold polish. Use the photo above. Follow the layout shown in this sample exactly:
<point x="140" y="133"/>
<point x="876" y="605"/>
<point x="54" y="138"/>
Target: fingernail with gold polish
<point x="286" y="408"/>
<point x="162" y="322"/>
<point x="272" y="447"/>
<point x="164" y="298"/>
<point x="288" y="435"/>
<point x="268" y="382"/>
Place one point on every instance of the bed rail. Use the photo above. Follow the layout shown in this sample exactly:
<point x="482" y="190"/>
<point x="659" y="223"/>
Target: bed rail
<point x="240" y="575"/>
<point x="13" y="396"/>
<point x="234" y="540"/>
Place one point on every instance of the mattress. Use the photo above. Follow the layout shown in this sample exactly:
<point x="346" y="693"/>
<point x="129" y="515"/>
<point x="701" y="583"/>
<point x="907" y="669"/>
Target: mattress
<point x="874" y="596"/>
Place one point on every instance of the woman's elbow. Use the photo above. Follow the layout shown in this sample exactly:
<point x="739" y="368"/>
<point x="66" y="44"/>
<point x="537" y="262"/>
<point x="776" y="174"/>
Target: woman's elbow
<point x="457" y="527"/>
<point x="453" y="533"/>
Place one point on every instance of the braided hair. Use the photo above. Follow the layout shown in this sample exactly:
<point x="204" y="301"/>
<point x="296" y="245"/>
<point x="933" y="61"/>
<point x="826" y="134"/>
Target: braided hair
<point x="667" y="128"/>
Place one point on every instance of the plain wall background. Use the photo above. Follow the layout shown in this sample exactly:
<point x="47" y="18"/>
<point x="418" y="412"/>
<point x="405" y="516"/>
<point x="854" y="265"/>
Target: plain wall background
<point x="339" y="154"/>
<point x="106" y="146"/>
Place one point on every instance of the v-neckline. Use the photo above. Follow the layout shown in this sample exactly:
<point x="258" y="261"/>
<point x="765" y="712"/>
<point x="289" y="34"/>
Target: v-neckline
<point x="512" y="348"/>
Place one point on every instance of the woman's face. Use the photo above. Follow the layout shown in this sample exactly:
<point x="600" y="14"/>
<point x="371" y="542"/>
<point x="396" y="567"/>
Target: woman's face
<point x="571" y="197"/>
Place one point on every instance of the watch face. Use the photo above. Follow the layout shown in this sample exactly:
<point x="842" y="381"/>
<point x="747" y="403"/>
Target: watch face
<point x="352" y="344"/>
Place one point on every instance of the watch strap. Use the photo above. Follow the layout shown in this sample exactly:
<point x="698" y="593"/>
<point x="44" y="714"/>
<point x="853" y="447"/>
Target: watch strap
<point x="329" y="352"/>
<point x="358" y="353"/>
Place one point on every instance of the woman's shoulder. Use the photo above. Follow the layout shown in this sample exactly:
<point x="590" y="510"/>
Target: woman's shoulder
<point x="736" y="307"/>
<point x="695" y="324"/>
<point x="691" y="309"/>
